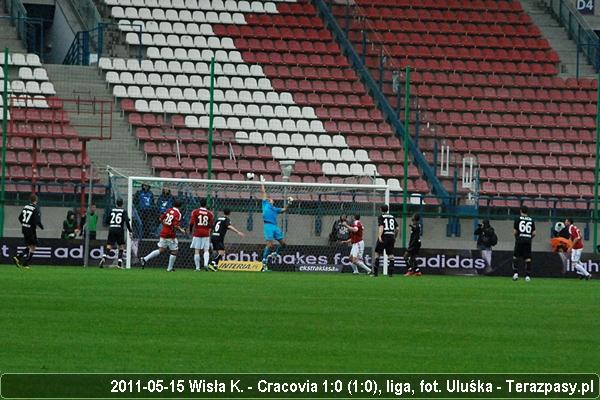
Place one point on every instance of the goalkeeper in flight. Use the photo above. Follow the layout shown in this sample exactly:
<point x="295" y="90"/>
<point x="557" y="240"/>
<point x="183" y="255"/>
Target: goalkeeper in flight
<point x="273" y="234"/>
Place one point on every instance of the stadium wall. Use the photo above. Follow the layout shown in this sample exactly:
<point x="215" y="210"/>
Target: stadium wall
<point x="303" y="231"/>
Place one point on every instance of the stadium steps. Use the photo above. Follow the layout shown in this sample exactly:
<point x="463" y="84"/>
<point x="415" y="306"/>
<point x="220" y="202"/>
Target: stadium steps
<point x="8" y="37"/>
<point x="558" y="39"/>
<point x="122" y="150"/>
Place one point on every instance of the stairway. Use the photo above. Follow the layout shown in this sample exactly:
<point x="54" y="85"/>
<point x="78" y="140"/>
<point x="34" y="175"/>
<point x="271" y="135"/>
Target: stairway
<point x="560" y="42"/>
<point x="122" y="152"/>
<point x="8" y="37"/>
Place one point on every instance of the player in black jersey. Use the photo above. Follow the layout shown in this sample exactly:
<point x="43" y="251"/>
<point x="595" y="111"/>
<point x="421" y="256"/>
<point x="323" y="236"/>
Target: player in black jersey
<point x="414" y="245"/>
<point x="217" y="238"/>
<point x="30" y="218"/>
<point x="524" y="232"/>
<point x="386" y="239"/>
<point x="117" y="220"/>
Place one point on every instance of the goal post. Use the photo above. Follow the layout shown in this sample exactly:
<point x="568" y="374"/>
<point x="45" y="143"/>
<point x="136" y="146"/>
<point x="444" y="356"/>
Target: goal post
<point x="306" y="226"/>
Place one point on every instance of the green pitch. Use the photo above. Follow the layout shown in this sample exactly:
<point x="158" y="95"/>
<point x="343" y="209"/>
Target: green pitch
<point x="92" y="320"/>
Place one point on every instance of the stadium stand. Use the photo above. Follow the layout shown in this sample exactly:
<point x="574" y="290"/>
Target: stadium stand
<point x="283" y="91"/>
<point x="35" y="113"/>
<point x="487" y="80"/>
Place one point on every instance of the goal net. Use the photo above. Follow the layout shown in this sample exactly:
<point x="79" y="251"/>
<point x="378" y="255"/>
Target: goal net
<point x="312" y="241"/>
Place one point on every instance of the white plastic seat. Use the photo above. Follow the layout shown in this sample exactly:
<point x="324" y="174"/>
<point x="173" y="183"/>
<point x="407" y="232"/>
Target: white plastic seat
<point x="254" y="111"/>
<point x="259" y="97"/>
<point x="212" y="17"/>
<point x="320" y="154"/>
<point x="303" y="126"/>
<point x="176" y="93"/>
<point x="361" y="155"/>
<point x="275" y="125"/>
<point x="257" y="7"/>
<point x="245" y="96"/>
<point x="133" y="65"/>
<point x="206" y="30"/>
<point x="312" y="140"/>
<point x="168" y="80"/>
<point x="308" y="113"/>
<point x="117" y="13"/>
<point x="270" y="138"/>
<point x="264" y="84"/>
<point x="105" y="63"/>
<point x="229" y="69"/>
<point x="356" y="169"/>
<point x="159" y="40"/>
<point x="334" y="155"/>
<point x="266" y="110"/>
<point x="25" y="73"/>
<point x="199" y="16"/>
<point x="370" y="169"/>
<point x="272" y="98"/>
<point x="241" y="136"/>
<point x="248" y="124"/>
<point x="188" y="67"/>
<point x="316" y="126"/>
<point x="47" y="88"/>
<point x="127" y="78"/>
<point x="241" y="70"/>
<point x="286" y="98"/>
<point x="284" y="139"/>
<point x="289" y="125"/>
<point x="172" y="15"/>
<point x="192" y="28"/>
<point x="328" y="168"/>
<point x="183" y="107"/>
<point x="306" y="153"/>
<point x="281" y="112"/>
<point x="33" y="87"/>
<point x="294" y="112"/>
<point x="338" y="141"/>
<point x="255" y="137"/>
<point x="237" y="82"/>
<point x="291" y="153"/>
<point x="180" y="55"/>
<point x="394" y="184"/>
<point x="119" y="91"/>
<point x="134" y="92"/>
<point x="234" y="123"/>
<point x="348" y="155"/>
<point x="256" y="71"/>
<point x="182" y="81"/>
<point x="119" y="64"/>
<point x="112" y="77"/>
<point x="141" y="105"/>
<point x="185" y="16"/>
<point x="153" y="52"/>
<point x="297" y="140"/>
<point x="160" y="66"/>
<point x="162" y="93"/>
<point x="147" y="66"/>
<point x="148" y="92"/>
<point x="261" y="124"/>
<point x="158" y="14"/>
<point x="191" y="121"/>
<point x="342" y="169"/>
<point x="166" y="53"/>
<point x="174" y="67"/>
<point x="244" y="6"/>
<point x="251" y="83"/>
<point x="278" y="153"/>
<point x="238" y="109"/>
<point x="270" y="7"/>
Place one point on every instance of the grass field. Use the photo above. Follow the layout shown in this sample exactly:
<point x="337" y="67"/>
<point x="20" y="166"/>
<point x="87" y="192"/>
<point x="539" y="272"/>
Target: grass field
<point x="92" y="320"/>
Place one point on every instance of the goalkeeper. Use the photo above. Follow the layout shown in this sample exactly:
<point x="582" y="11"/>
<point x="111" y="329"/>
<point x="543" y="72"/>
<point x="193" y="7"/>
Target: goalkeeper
<point x="273" y="234"/>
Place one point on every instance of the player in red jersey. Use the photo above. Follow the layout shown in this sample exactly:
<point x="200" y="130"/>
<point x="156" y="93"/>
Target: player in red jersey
<point x="170" y="220"/>
<point x="576" y="249"/>
<point x="358" y="244"/>
<point x="200" y="227"/>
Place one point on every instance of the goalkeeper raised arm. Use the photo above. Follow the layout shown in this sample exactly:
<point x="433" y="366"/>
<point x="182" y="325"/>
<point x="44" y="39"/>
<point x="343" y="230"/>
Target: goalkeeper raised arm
<point x="273" y="235"/>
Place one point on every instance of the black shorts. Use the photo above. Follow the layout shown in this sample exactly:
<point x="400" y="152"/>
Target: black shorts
<point x="30" y="237"/>
<point x="522" y="250"/>
<point x="116" y="236"/>
<point x="413" y="250"/>
<point x="388" y="244"/>
<point x="218" y="244"/>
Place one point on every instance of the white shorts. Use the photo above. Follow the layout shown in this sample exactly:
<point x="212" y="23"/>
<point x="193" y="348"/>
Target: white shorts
<point x="576" y="255"/>
<point x="200" y="243"/>
<point x="358" y="249"/>
<point x="166" y="243"/>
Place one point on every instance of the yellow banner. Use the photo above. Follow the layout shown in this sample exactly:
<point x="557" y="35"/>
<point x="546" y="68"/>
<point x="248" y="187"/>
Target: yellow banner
<point x="248" y="266"/>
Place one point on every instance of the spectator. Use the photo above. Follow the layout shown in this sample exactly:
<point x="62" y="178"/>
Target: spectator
<point x="93" y="223"/>
<point x="69" y="230"/>
<point x="165" y="201"/>
<point x="339" y="232"/>
<point x="144" y="202"/>
<point x="486" y="239"/>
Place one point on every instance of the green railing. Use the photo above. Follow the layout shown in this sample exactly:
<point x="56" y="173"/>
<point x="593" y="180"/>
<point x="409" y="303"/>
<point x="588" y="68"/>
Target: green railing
<point x="578" y="30"/>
